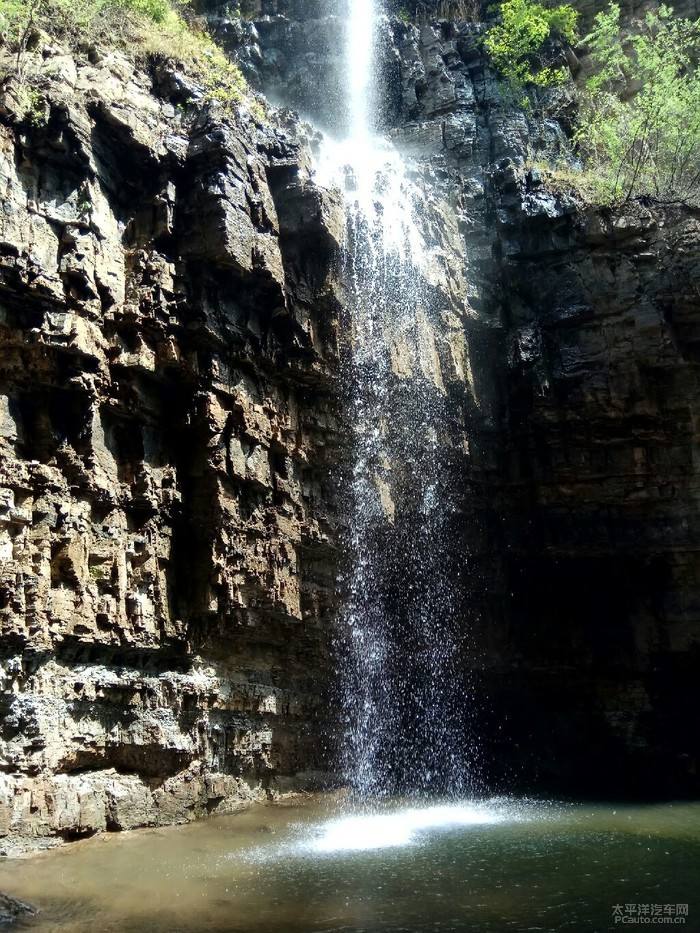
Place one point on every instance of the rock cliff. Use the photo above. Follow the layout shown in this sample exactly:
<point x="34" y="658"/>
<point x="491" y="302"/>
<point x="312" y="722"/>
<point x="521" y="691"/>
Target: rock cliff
<point x="575" y="497"/>
<point x="601" y="636"/>
<point x="172" y="440"/>
<point x="585" y="636"/>
<point x="168" y="428"/>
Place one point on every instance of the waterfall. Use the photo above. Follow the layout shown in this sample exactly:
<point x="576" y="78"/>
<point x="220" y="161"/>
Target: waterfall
<point x="359" y="57"/>
<point x="398" y="659"/>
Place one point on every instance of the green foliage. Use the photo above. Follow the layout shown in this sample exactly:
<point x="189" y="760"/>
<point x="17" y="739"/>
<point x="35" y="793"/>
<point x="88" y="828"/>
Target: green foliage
<point x="16" y="19"/>
<point x="31" y="105"/>
<point x="639" y="115"/>
<point x="12" y="15"/>
<point x="158" y="11"/>
<point x="145" y="29"/>
<point x="515" y="43"/>
<point x="68" y="19"/>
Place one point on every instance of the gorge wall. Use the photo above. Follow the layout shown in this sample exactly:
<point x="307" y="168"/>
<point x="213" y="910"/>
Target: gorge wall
<point x="597" y="657"/>
<point x="584" y="578"/>
<point x="173" y="444"/>
<point x="579" y="530"/>
<point x="168" y="429"/>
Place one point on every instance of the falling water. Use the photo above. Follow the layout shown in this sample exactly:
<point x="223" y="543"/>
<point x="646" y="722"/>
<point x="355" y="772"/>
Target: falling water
<point x="398" y="669"/>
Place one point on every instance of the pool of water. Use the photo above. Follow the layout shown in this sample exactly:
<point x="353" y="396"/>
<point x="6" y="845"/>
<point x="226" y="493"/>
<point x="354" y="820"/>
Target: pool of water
<point x="493" y="865"/>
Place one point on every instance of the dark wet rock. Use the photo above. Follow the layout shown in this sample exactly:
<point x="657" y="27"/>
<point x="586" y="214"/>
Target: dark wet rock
<point x="13" y="910"/>
<point x="582" y="327"/>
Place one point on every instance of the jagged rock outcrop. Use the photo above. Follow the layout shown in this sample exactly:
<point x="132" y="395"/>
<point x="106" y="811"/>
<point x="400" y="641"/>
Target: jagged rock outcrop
<point x="13" y="910"/>
<point x="168" y="421"/>
<point x="291" y="49"/>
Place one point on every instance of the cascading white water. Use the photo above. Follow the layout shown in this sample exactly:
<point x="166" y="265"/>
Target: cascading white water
<point x="361" y="25"/>
<point x="369" y="169"/>
<point x="398" y="667"/>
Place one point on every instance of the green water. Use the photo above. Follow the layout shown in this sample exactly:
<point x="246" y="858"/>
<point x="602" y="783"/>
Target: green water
<point x="492" y="866"/>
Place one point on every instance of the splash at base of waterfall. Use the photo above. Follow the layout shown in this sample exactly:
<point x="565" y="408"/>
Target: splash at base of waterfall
<point x="403" y="827"/>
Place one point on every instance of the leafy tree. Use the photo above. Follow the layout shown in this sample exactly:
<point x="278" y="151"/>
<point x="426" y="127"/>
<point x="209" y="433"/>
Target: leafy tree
<point x="639" y="115"/>
<point x="516" y="42"/>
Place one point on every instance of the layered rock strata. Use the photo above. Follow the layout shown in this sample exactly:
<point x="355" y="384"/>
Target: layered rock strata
<point x="173" y="444"/>
<point x="168" y="430"/>
<point x="575" y="494"/>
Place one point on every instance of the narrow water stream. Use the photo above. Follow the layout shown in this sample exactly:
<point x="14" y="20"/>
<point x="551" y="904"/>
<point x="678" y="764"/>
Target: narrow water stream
<point x="403" y="695"/>
<point x="495" y="865"/>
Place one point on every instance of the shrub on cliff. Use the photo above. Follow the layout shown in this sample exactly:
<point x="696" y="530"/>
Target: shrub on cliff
<point x="516" y="43"/>
<point x="639" y="114"/>
<point x="142" y="28"/>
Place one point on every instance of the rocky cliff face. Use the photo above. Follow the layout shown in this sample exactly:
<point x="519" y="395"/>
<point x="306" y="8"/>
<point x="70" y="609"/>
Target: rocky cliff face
<point x="172" y="437"/>
<point x="168" y="425"/>
<point x="578" y="529"/>
<point x="601" y="638"/>
<point x="584" y="622"/>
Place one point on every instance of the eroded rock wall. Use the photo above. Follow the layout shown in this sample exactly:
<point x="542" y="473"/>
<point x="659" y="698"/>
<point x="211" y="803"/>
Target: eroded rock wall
<point x="575" y="494"/>
<point x="602" y="634"/>
<point x="584" y="624"/>
<point x="172" y="442"/>
<point x="168" y="429"/>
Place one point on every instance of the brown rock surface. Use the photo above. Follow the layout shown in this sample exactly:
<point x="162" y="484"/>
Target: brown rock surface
<point x="167" y="423"/>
